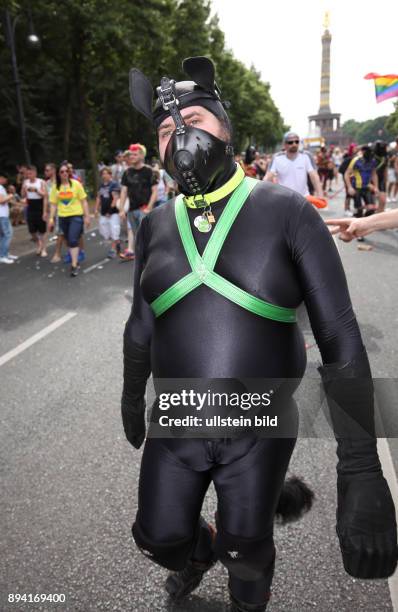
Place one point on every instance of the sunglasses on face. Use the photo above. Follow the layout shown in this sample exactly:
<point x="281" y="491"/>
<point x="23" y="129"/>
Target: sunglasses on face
<point x="290" y="142"/>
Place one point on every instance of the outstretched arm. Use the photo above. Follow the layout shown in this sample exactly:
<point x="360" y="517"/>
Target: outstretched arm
<point x="353" y="228"/>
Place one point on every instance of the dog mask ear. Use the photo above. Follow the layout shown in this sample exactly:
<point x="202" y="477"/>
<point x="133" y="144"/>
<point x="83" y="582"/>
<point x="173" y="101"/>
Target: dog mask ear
<point x="141" y="92"/>
<point x="200" y="70"/>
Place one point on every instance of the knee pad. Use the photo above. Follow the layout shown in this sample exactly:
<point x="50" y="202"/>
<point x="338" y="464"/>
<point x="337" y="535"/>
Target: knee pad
<point x="172" y="555"/>
<point x="246" y="558"/>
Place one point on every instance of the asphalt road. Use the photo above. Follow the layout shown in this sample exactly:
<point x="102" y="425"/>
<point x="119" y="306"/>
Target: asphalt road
<point x="69" y="478"/>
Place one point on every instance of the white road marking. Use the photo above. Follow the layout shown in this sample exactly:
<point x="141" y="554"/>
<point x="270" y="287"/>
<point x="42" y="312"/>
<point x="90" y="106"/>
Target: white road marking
<point x="100" y="263"/>
<point x="33" y="339"/>
<point x="391" y="477"/>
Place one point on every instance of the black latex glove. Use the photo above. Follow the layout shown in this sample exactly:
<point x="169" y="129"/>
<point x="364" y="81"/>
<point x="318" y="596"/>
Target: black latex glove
<point x="366" y="526"/>
<point x="137" y="369"/>
<point x="133" y="416"/>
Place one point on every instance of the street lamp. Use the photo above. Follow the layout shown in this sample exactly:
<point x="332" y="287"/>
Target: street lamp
<point x="33" y="41"/>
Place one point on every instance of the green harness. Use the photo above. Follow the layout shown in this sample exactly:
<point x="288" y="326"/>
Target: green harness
<point x="203" y="266"/>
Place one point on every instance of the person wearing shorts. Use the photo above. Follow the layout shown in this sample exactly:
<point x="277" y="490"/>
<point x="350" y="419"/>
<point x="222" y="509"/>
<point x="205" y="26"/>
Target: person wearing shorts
<point x="69" y="199"/>
<point x="139" y="184"/>
<point x="362" y="181"/>
<point x="347" y="157"/>
<point x="50" y="171"/>
<point x="134" y="218"/>
<point x="109" y="223"/>
<point x="35" y="193"/>
<point x="322" y="161"/>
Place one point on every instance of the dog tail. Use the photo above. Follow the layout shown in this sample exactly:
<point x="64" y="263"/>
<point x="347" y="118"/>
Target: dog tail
<point x="295" y="500"/>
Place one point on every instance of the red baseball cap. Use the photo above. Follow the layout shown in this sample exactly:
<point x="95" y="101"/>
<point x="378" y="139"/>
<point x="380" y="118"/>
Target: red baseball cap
<point x="137" y="147"/>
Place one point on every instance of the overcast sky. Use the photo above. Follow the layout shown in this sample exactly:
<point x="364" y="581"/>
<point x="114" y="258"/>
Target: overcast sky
<point x="282" y="39"/>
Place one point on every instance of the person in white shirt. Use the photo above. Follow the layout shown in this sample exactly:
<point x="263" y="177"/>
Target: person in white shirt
<point x="291" y="168"/>
<point x="118" y="167"/>
<point x="5" y="225"/>
<point x="337" y="157"/>
<point x="35" y="192"/>
<point x="164" y="183"/>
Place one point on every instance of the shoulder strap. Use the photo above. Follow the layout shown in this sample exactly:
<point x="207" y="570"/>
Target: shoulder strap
<point x="226" y="221"/>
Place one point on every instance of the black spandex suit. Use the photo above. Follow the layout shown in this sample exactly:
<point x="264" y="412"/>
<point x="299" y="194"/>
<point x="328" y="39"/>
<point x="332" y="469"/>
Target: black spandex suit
<point x="279" y="250"/>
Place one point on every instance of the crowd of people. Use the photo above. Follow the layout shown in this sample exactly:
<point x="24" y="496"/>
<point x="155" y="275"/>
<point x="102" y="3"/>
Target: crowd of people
<point x="37" y="202"/>
<point x="130" y="188"/>
<point x="369" y="172"/>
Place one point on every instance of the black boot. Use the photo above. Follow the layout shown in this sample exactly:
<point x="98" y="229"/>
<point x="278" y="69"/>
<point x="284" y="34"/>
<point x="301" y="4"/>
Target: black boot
<point x="180" y="584"/>
<point x="241" y="606"/>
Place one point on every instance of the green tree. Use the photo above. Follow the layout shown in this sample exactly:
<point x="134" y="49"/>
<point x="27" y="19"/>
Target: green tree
<point x="350" y="129"/>
<point x="368" y="131"/>
<point x="75" y="87"/>
<point x="392" y="122"/>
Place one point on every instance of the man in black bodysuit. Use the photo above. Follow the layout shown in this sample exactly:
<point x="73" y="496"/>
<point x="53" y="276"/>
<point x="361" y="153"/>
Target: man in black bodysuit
<point x="224" y="308"/>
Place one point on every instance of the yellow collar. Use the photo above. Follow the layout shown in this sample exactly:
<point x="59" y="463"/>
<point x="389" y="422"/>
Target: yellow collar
<point x="200" y="201"/>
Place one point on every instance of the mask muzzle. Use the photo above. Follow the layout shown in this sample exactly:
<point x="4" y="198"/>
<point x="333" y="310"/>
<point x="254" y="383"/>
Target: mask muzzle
<point x="195" y="158"/>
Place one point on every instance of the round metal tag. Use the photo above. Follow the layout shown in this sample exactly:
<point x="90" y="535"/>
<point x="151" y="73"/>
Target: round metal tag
<point x="202" y="224"/>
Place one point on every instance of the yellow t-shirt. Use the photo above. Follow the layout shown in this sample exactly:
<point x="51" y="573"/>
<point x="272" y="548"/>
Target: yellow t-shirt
<point x="68" y="199"/>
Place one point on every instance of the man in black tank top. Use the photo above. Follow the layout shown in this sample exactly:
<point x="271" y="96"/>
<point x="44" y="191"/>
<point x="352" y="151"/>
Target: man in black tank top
<point x="221" y="312"/>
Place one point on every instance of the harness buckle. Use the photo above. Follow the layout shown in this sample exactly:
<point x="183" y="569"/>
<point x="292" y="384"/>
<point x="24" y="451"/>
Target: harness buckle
<point x="166" y="93"/>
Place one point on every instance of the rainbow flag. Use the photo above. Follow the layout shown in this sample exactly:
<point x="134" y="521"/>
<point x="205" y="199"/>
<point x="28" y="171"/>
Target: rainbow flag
<point x="386" y="85"/>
